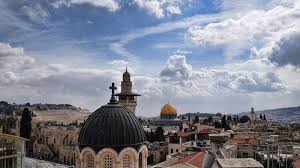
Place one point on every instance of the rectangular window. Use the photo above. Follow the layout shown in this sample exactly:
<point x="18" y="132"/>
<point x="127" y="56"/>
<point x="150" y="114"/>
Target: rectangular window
<point x="108" y="162"/>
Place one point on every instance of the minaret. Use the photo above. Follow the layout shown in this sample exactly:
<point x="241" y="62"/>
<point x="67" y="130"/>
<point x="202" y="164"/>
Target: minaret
<point x="252" y="114"/>
<point x="127" y="98"/>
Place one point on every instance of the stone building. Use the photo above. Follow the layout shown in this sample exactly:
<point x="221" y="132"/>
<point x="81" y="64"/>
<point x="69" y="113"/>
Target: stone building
<point x="112" y="137"/>
<point x="245" y="146"/>
<point x="127" y="98"/>
<point x="56" y="143"/>
<point x="157" y="152"/>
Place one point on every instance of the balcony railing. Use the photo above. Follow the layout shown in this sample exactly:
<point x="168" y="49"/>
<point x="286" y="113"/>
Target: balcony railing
<point x="8" y="152"/>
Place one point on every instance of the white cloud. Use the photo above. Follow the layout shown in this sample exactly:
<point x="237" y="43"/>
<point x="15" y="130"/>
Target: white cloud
<point x="88" y="87"/>
<point x="249" y="81"/>
<point x="161" y="8"/>
<point x="35" y="13"/>
<point x="247" y="29"/>
<point x="8" y="78"/>
<point x="237" y="78"/>
<point x="176" y="68"/>
<point x="119" y="47"/>
<point x="60" y="84"/>
<point x="12" y="57"/>
<point x="120" y="63"/>
<point x="148" y="87"/>
<point x="111" y="5"/>
<point x="173" y="10"/>
<point x="285" y="51"/>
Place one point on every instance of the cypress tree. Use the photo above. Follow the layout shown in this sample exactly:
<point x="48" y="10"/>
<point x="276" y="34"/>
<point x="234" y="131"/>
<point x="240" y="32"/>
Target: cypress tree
<point x="260" y="117"/>
<point x="196" y="119"/>
<point x="159" y="134"/>
<point x="25" y="125"/>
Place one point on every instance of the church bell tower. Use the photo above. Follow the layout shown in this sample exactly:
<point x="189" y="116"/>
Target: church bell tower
<point x="127" y="98"/>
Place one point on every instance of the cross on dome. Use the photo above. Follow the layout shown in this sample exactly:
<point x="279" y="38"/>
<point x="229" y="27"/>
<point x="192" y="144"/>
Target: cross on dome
<point x="113" y="99"/>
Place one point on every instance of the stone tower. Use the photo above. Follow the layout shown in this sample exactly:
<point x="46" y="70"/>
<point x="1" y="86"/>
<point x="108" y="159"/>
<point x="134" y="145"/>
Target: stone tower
<point x="127" y="98"/>
<point x="252" y="115"/>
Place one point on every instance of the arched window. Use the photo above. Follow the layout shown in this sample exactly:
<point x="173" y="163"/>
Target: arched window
<point x="140" y="160"/>
<point x="126" y="161"/>
<point x="108" y="162"/>
<point x="90" y="161"/>
<point x="68" y="160"/>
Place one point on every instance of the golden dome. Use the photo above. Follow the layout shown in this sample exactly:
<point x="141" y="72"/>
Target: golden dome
<point x="168" y="109"/>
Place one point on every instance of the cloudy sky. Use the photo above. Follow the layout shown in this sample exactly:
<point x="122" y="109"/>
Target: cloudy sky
<point x="201" y="55"/>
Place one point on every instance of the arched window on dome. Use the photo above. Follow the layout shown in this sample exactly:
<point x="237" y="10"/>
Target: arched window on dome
<point x="108" y="162"/>
<point x="126" y="161"/>
<point x="90" y="161"/>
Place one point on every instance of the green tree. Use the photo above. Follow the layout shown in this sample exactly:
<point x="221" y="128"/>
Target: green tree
<point x="217" y="124"/>
<point x="210" y="119"/>
<point x="159" y="134"/>
<point x="25" y="125"/>
<point x="260" y="117"/>
<point x="229" y="118"/>
<point x="224" y="123"/>
<point x="244" y="119"/>
<point x="196" y="119"/>
<point x="7" y="124"/>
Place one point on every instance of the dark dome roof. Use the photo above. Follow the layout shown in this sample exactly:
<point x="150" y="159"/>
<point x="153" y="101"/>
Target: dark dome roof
<point x="111" y="126"/>
<point x="126" y="74"/>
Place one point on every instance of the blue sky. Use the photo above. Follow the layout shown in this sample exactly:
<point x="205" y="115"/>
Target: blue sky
<point x="201" y="55"/>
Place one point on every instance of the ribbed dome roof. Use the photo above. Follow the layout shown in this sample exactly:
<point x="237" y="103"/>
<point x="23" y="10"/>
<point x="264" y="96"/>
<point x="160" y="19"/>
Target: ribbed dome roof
<point x="111" y="126"/>
<point x="168" y="109"/>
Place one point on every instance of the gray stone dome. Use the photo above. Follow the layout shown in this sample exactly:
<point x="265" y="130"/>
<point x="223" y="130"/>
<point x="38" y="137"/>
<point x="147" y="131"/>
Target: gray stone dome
<point x="111" y="126"/>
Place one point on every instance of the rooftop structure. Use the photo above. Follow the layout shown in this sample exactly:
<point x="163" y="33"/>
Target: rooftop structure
<point x="238" y="163"/>
<point x="297" y="163"/>
<point x="188" y="159"/>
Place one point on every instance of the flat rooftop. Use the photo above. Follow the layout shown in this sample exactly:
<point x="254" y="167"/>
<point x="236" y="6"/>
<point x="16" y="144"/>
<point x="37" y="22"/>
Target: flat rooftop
<point x="239" y="163"/>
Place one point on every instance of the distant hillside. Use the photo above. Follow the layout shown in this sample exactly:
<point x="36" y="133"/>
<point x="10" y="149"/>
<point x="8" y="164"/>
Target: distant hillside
<point x="285" y="115"/>
<point x="8" y="109"/>
<point x="46" y="112"/>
